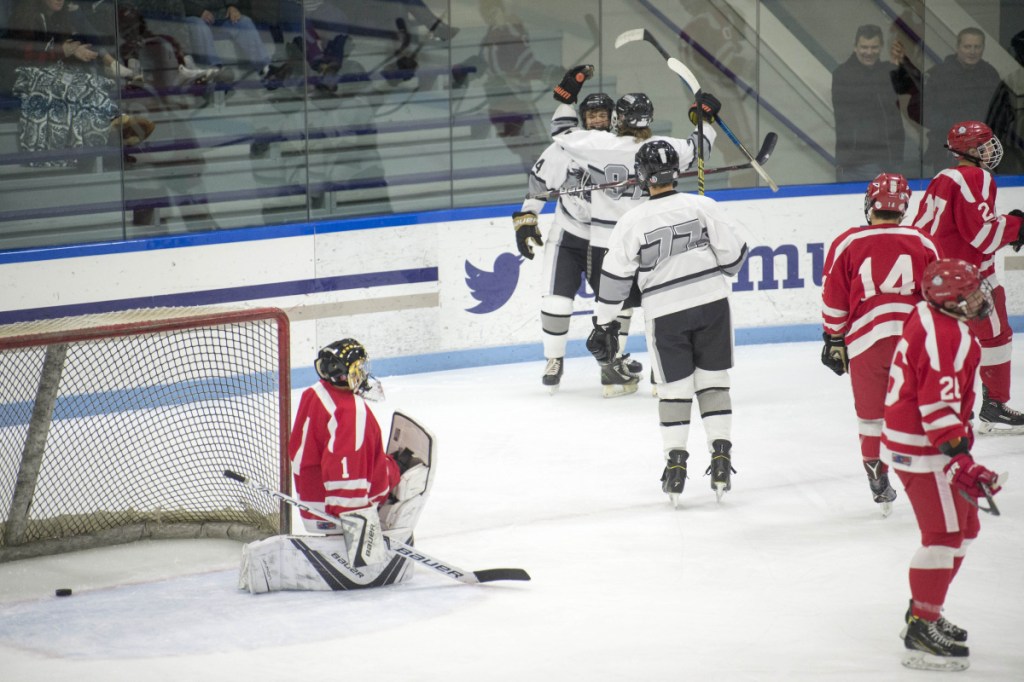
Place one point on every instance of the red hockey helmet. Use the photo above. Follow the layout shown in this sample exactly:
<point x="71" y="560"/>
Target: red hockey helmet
<point x="887" y="192"/>
<point x="968" y="135"/>
<point x="951" y="279"/>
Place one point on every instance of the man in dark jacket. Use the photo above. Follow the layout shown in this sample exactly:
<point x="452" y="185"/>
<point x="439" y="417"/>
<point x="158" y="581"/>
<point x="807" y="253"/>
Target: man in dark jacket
<point x="869" y="129"/>
<point x="959" y="88"/>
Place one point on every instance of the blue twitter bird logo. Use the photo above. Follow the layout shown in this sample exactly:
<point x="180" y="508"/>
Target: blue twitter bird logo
<point x="493" y="289"/>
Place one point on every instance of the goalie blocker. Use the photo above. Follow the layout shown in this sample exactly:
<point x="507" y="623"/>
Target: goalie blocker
<point x="333" y="562"/>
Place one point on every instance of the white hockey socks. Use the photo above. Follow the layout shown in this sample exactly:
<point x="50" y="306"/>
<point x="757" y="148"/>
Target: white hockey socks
<point x="555" y="315"/>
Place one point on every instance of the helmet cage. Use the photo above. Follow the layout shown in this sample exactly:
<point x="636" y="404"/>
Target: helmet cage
<point x="968" y="135"/>
<point x="344" y="364"/>
<point x="951" y="279"/>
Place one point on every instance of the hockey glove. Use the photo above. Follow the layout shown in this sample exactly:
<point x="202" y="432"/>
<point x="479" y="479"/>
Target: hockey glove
<point x="1019" y="241"/>
<point x="963" y="473"/>
<point x="526" y="232"/>
<point x="603" y="342"/>
<point x="833" y="355"/>
<point x="572" y="82"/>
<point x="709" y="105"/>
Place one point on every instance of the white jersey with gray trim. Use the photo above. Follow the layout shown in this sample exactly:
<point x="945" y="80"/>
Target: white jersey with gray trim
<point x="683" y="249"/>
<point x="606" y="157"/>
<point x="555" y="169"/>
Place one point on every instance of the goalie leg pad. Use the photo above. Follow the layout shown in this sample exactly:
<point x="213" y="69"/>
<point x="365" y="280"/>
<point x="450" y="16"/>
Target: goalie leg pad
<point x="293" y="562"/>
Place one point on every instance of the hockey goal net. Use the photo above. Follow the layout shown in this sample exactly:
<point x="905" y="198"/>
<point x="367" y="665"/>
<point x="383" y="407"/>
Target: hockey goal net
<point x="118" y="427"/>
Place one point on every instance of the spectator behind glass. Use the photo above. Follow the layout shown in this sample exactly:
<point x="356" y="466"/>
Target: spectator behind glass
<point x="65" y="104"/>
<point x="959" y="88"/>
<point x="203" y="16"/>
<point x="1006" y="114"/>
<point x="869" y="128"/>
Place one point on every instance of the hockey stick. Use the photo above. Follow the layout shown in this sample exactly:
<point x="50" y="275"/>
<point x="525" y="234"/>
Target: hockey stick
<point x="767" y="147"/>
<point x="987" y="491"/>
<point x="400" y="548"/>
<point x="687" y="77"/>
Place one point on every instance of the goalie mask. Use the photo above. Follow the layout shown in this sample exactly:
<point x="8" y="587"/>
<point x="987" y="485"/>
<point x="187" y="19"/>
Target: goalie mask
<point x="966" y="136"/>
<point x="634" y="110"/>
<point x="888" y="192"/>
<point x="597" y="101"/>
<point x="953" y="280"/>
<point x="657" y="163"/>
<point x="345" y="364"/>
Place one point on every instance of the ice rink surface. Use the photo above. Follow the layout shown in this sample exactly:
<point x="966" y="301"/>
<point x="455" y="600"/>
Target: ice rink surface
<point x="793" y="576"/>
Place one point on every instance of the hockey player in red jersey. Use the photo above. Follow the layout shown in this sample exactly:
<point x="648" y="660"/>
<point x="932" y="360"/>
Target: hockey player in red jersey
<point x="927" y="439"/>
<point x="958" y="210"/>
<point x="340" y="466"/>
<point x="872" y="275"/>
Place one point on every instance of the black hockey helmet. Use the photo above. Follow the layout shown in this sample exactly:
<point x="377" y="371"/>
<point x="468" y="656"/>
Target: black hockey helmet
<point x="343" y="363"/>
<point x="657" y="163"/>
<point x="635" y="110"/>
<point x="597" y="101"/>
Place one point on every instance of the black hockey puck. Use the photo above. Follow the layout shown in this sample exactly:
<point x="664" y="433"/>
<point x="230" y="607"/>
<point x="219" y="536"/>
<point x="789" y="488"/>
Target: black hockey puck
<point x="63" y="592"/>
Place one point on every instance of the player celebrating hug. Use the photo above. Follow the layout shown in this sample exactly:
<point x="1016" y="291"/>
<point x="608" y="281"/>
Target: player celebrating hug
<point x="567" y="253"/>
<point x="872" y="277"/>
<point x="610" y="157"/>
<point x="927" y="439"/>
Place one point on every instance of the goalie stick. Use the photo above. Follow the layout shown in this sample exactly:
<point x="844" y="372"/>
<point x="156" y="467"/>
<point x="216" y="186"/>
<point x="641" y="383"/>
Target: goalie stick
<point x="767" y="147"/>
<point x="687" y="77"/>
<point x="400" y="548"/>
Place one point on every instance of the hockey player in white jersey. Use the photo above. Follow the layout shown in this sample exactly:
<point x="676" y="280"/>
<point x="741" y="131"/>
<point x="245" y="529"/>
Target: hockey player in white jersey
<point x="609" y="157"/>
<point x="682" y="250"/>
<point x="565" y="257"/>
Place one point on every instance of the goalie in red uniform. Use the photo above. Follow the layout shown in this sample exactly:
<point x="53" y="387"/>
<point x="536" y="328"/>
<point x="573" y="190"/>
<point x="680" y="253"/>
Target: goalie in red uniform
<point x="872" y="276"/>
<point x="958" y="210"/>
<point x="927" y="439"/>
<point x="341" y="467"/>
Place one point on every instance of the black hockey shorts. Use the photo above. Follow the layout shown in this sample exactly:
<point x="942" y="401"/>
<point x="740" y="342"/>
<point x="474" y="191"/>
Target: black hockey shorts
<point x="596" y="260"/>
<point x="696" y="337"/>
<point x="570" y="262"/>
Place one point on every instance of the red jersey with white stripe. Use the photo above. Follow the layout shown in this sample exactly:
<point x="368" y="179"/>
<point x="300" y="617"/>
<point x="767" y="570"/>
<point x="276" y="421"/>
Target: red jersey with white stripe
<point x="931" y="390"/>
<point x="872" y="278"/>
<point x="958" y="210"/>
<point x="337" y="454"/>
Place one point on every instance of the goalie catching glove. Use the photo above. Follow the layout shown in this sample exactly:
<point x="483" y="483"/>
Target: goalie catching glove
<point x="526" y="232"/>
<point x="603" y="342"/>
<point x="568" y="90"/>
<point x="709" y="106"/>
<point x="833" y="355"/>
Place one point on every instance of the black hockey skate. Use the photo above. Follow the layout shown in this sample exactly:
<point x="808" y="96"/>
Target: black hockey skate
<point x="635" y="367"/>
<point x="673" y="478"/>
<point x="616" y="379"/>
<point x="954" y="632"/>
<point x="929" y="649"/>
<point x="721" y="468"/>
<point x="553" y="373"/>
<point x="882" y="491"/>
<point x="997" y="417"/>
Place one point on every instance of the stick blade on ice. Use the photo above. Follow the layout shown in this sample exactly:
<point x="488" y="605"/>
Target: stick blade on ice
<point x="489" y="575"/>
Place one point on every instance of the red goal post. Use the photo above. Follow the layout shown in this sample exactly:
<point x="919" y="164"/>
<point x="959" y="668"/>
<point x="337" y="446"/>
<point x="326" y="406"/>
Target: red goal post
<point x="117" y="427"/>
